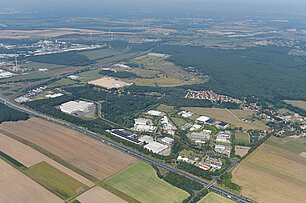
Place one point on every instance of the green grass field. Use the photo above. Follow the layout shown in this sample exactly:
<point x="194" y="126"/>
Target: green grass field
<point x="62" y="82"/>
<point x="29" y="76"/>
<point x="165" y="108"/>
<point x="215" y="198"/>
<point x="242" y="138"/>
<point x="55" y="180"/>
<point x="178" y="121"/>
<point x="140" y="182"/>
<point x="89" y="75"/>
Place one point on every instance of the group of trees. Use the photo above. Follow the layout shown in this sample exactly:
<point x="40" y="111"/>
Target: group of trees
<point x="66" y="58"/>
<point x="118" y="74"/>
<point x="9" y="114"/>
<point x="258" y="73"/>
<point x="225" y="180"/>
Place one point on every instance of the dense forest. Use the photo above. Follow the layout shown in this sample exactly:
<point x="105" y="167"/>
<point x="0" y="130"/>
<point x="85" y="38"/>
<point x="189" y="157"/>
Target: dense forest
<point x="9" y="114"/>
<point x="67" y="58"/>
<point x="118" y="74"/>
<point x="267" y="72"/>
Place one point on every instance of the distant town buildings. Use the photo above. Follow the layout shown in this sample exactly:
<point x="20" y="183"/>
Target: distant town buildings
<point x="211" y="96"/>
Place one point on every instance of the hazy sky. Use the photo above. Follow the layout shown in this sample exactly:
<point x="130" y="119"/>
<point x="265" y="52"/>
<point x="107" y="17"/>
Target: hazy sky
<point x="281" y="6"/>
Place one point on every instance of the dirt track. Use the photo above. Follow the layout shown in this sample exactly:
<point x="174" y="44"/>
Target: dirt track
<point x="81" y="151"/>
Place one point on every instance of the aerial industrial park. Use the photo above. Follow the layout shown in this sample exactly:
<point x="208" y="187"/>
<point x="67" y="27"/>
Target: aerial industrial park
<point x="124" y="105"/>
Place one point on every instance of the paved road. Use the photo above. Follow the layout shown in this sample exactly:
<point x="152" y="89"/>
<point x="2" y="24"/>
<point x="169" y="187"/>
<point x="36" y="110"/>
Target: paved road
<point x="126" y="150"/>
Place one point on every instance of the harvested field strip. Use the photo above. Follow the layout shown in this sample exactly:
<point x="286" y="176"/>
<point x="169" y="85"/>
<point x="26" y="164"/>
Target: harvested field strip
<point x="11" y="160"/>
<point x="265" y="188"/>
<point x="28" y="156"/>
<point x="55" y="180"/>
<point x="16" y="187"/>
<point x="140" y="182"/>
<point x="277" y="166"/>
<point x="282" y="155"/>
<point x="85" y="153"/>
<point x="97" y="195"/>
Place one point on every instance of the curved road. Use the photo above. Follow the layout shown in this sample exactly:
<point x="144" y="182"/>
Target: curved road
<point x="126" y="150"/>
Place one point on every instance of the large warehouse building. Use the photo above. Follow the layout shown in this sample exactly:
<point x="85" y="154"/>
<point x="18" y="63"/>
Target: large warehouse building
<point x="73" y="107"/>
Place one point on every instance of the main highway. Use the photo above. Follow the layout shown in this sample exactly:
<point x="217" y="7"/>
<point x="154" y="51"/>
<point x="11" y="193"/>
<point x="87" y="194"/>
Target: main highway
<point x="140" y="156"/>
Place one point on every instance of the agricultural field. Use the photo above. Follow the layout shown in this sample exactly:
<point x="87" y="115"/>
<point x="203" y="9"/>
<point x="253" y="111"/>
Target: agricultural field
<point x="158" y="72"/>
<point x="140" y="182"/>
<point x="87" y="154"/>
<point x="215" y="198"/>
<point x="224" y="115"/>
<point x="37" y="66"/>
<point x="55" y="180"/>
<point x="97" y="195"/>
<point x="16" y="187"/>
<point x="242" y="138"/>
<point x="272" y="173"/>
<point x="300" y="104"/>
<point x="29" y="157"/>
<point x="66" y="69"/>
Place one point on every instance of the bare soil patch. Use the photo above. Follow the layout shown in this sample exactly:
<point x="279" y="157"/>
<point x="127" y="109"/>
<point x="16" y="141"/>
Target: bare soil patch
<point x="241" y="150"/>
<point x="16" y="187"/>
<point x="109" y="83"/>
<point x="29" y="157"/>
<point x="97" y="195"/>
<point x="89" y="155"/>
<point x="266" y="188"/>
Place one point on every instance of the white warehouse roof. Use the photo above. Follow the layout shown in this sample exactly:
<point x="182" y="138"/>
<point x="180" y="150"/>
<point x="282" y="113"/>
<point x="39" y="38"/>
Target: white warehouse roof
<point x="73" y="106"/>
<point x="202" y="119"/>
<point x="156" y="147"/>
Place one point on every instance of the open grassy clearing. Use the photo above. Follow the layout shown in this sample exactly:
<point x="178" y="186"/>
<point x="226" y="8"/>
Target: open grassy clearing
<point x="224" y="115"/>
<point x="66" y="69"/>
<point x="215" y="198"/>
<point x="55" y="180"/>
<point x="242" y="138"/>
<point x="140" y="182"/>
<point x="300" y="104"/>
<point x="29" y="157"/>
<point x="165" y="108"/>
<point x="100" y="160"/>
<point x="89" y="75"/>
<point x="97" y="195"/>
<point x="16" y="187"/>
<point x="160" y="72"/>
<point x="62" y="82"/>
<point x="28" y="76"/>
<point x="178" y="121"/>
